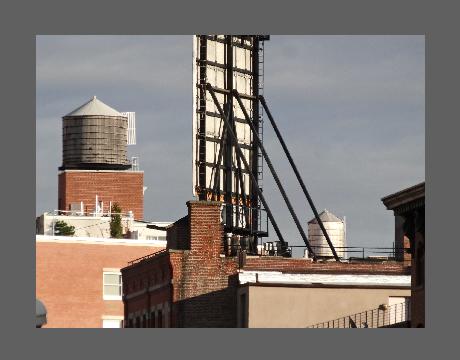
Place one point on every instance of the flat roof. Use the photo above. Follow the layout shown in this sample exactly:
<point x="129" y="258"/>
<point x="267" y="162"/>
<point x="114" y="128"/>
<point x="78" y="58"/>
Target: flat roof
<point x="98" y="241"/>
<point x="277" y="277"/>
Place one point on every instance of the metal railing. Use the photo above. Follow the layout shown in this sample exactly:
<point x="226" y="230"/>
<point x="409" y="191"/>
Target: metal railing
<point x="88" y="213"/>
<point x="347" y="253"/>
<point x="397" y="315"/>
<point x="354" y="252"/>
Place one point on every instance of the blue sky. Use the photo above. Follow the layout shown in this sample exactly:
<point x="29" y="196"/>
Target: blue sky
<point x="351" y="109"/>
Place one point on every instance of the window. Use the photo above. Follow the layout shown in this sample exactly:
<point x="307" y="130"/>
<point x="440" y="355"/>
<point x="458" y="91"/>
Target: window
<point x="112" y="323"/>
<point x="243" y="320"/>
<point x="152" y="319"/>
<point x="160" y="319"/>
<point x="112" y="285"/>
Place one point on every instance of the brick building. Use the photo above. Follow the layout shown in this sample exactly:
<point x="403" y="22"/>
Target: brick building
<point x="82" y="186"/>
<point x="95" y="170"/>
<point x="408" y="206"/>
<point x="195" y="282"/>
<point x="78" y="279"/>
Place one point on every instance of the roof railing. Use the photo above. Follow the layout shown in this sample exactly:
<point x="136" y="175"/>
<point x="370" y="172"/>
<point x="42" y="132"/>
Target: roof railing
<point x="397" y="315"/>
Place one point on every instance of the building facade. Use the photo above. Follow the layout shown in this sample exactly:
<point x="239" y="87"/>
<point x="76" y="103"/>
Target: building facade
<point x="197" y="282"/>
<point x="99" y="226"/>
<point x="408" y="206"/>
<point x="79" y="280"/>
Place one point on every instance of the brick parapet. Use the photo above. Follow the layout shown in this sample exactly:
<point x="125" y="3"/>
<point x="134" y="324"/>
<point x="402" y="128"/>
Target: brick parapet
<point x="268" y="263"/>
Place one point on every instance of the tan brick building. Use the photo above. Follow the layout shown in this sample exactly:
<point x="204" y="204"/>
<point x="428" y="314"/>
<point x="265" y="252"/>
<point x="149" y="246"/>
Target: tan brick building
<point x="79" y="280"/>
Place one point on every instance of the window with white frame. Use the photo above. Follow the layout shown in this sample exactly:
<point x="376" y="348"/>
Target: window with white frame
<point x="112" y="285"/>
<point x="112" y="323"/>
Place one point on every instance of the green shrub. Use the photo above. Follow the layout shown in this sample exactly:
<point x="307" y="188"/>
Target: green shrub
<point x="63" y="229"/>
<point x="116" y="229"/>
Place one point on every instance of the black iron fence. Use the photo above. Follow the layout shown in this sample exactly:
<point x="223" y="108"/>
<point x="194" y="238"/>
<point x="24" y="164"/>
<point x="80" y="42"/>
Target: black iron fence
<point x="275" y="248"/>
<point x="397" y="315"/>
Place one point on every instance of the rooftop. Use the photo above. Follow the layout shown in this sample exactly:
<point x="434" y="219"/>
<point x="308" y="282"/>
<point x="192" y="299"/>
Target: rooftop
<point x="404" y="196"/>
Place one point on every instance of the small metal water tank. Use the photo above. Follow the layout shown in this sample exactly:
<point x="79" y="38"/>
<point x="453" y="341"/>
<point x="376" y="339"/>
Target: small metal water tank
<point x="335" y="228"/>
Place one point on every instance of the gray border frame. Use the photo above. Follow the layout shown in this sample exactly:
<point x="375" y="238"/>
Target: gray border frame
<point x="21" y="22"/>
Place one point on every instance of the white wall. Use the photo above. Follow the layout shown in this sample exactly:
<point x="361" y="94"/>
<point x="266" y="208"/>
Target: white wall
<point x="99" y="226"/>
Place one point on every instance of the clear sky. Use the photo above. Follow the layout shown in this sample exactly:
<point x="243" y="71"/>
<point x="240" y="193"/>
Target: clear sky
<point x="351" y="110"/>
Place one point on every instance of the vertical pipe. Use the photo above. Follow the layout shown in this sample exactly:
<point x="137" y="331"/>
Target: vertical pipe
<point x="299" y="178"/>
<point x="228" y="144"/>
<point x="255" y="148"/>
<point x="202" y="130"/>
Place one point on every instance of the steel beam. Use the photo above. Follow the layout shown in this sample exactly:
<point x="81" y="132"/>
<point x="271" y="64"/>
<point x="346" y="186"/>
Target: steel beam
<point x="239" y="153"/>
<point x="299" y="178"/>
<point x="275" y="175"/>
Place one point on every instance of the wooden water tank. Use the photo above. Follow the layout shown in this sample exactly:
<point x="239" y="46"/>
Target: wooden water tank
<point x="94" y="136"/>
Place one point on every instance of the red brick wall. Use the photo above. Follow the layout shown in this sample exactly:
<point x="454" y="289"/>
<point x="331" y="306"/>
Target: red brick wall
<point x="205" y="295"/>
<point x="123" y="187"/>
<point x="69" y="280"/>
<point x="203" y="286"/>
<point x="178" y="235"/>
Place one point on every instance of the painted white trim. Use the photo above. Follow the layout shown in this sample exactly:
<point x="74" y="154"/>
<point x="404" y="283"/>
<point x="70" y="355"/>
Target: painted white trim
<point x="119" y="321"/>
<point x="276" y="277"/>
<point x="98" y="241"/>
<point x="96" y="171"/>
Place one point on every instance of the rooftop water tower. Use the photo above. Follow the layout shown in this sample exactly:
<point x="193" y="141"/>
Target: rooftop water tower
<point x="94" y="136"/>
<point x="335" y="228"/>
<point x="95" y="171"/>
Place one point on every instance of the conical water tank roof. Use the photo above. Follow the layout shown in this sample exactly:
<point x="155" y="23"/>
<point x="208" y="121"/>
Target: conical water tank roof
<point x="94" y="107"/>
<point x="325" y="216"/>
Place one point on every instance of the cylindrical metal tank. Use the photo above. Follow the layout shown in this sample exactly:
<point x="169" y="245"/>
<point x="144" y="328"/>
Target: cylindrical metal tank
<point x="94" y="136"/>
<point x="335" y="228"/>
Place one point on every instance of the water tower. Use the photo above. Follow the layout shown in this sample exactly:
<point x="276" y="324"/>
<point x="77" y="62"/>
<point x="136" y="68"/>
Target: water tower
<point x="336" y="229"/>
<point x="95" y="171"/>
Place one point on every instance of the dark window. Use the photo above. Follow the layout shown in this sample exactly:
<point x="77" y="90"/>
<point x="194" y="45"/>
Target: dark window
<point x="152" y="319"/>
<point x="243" y="310"/>
<point x="420" y="264"/>
<point x="144" y="321"/>
<point x="130" y="323"/>
<point x="138" y="322"/>
<point x="160" y="319"/>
